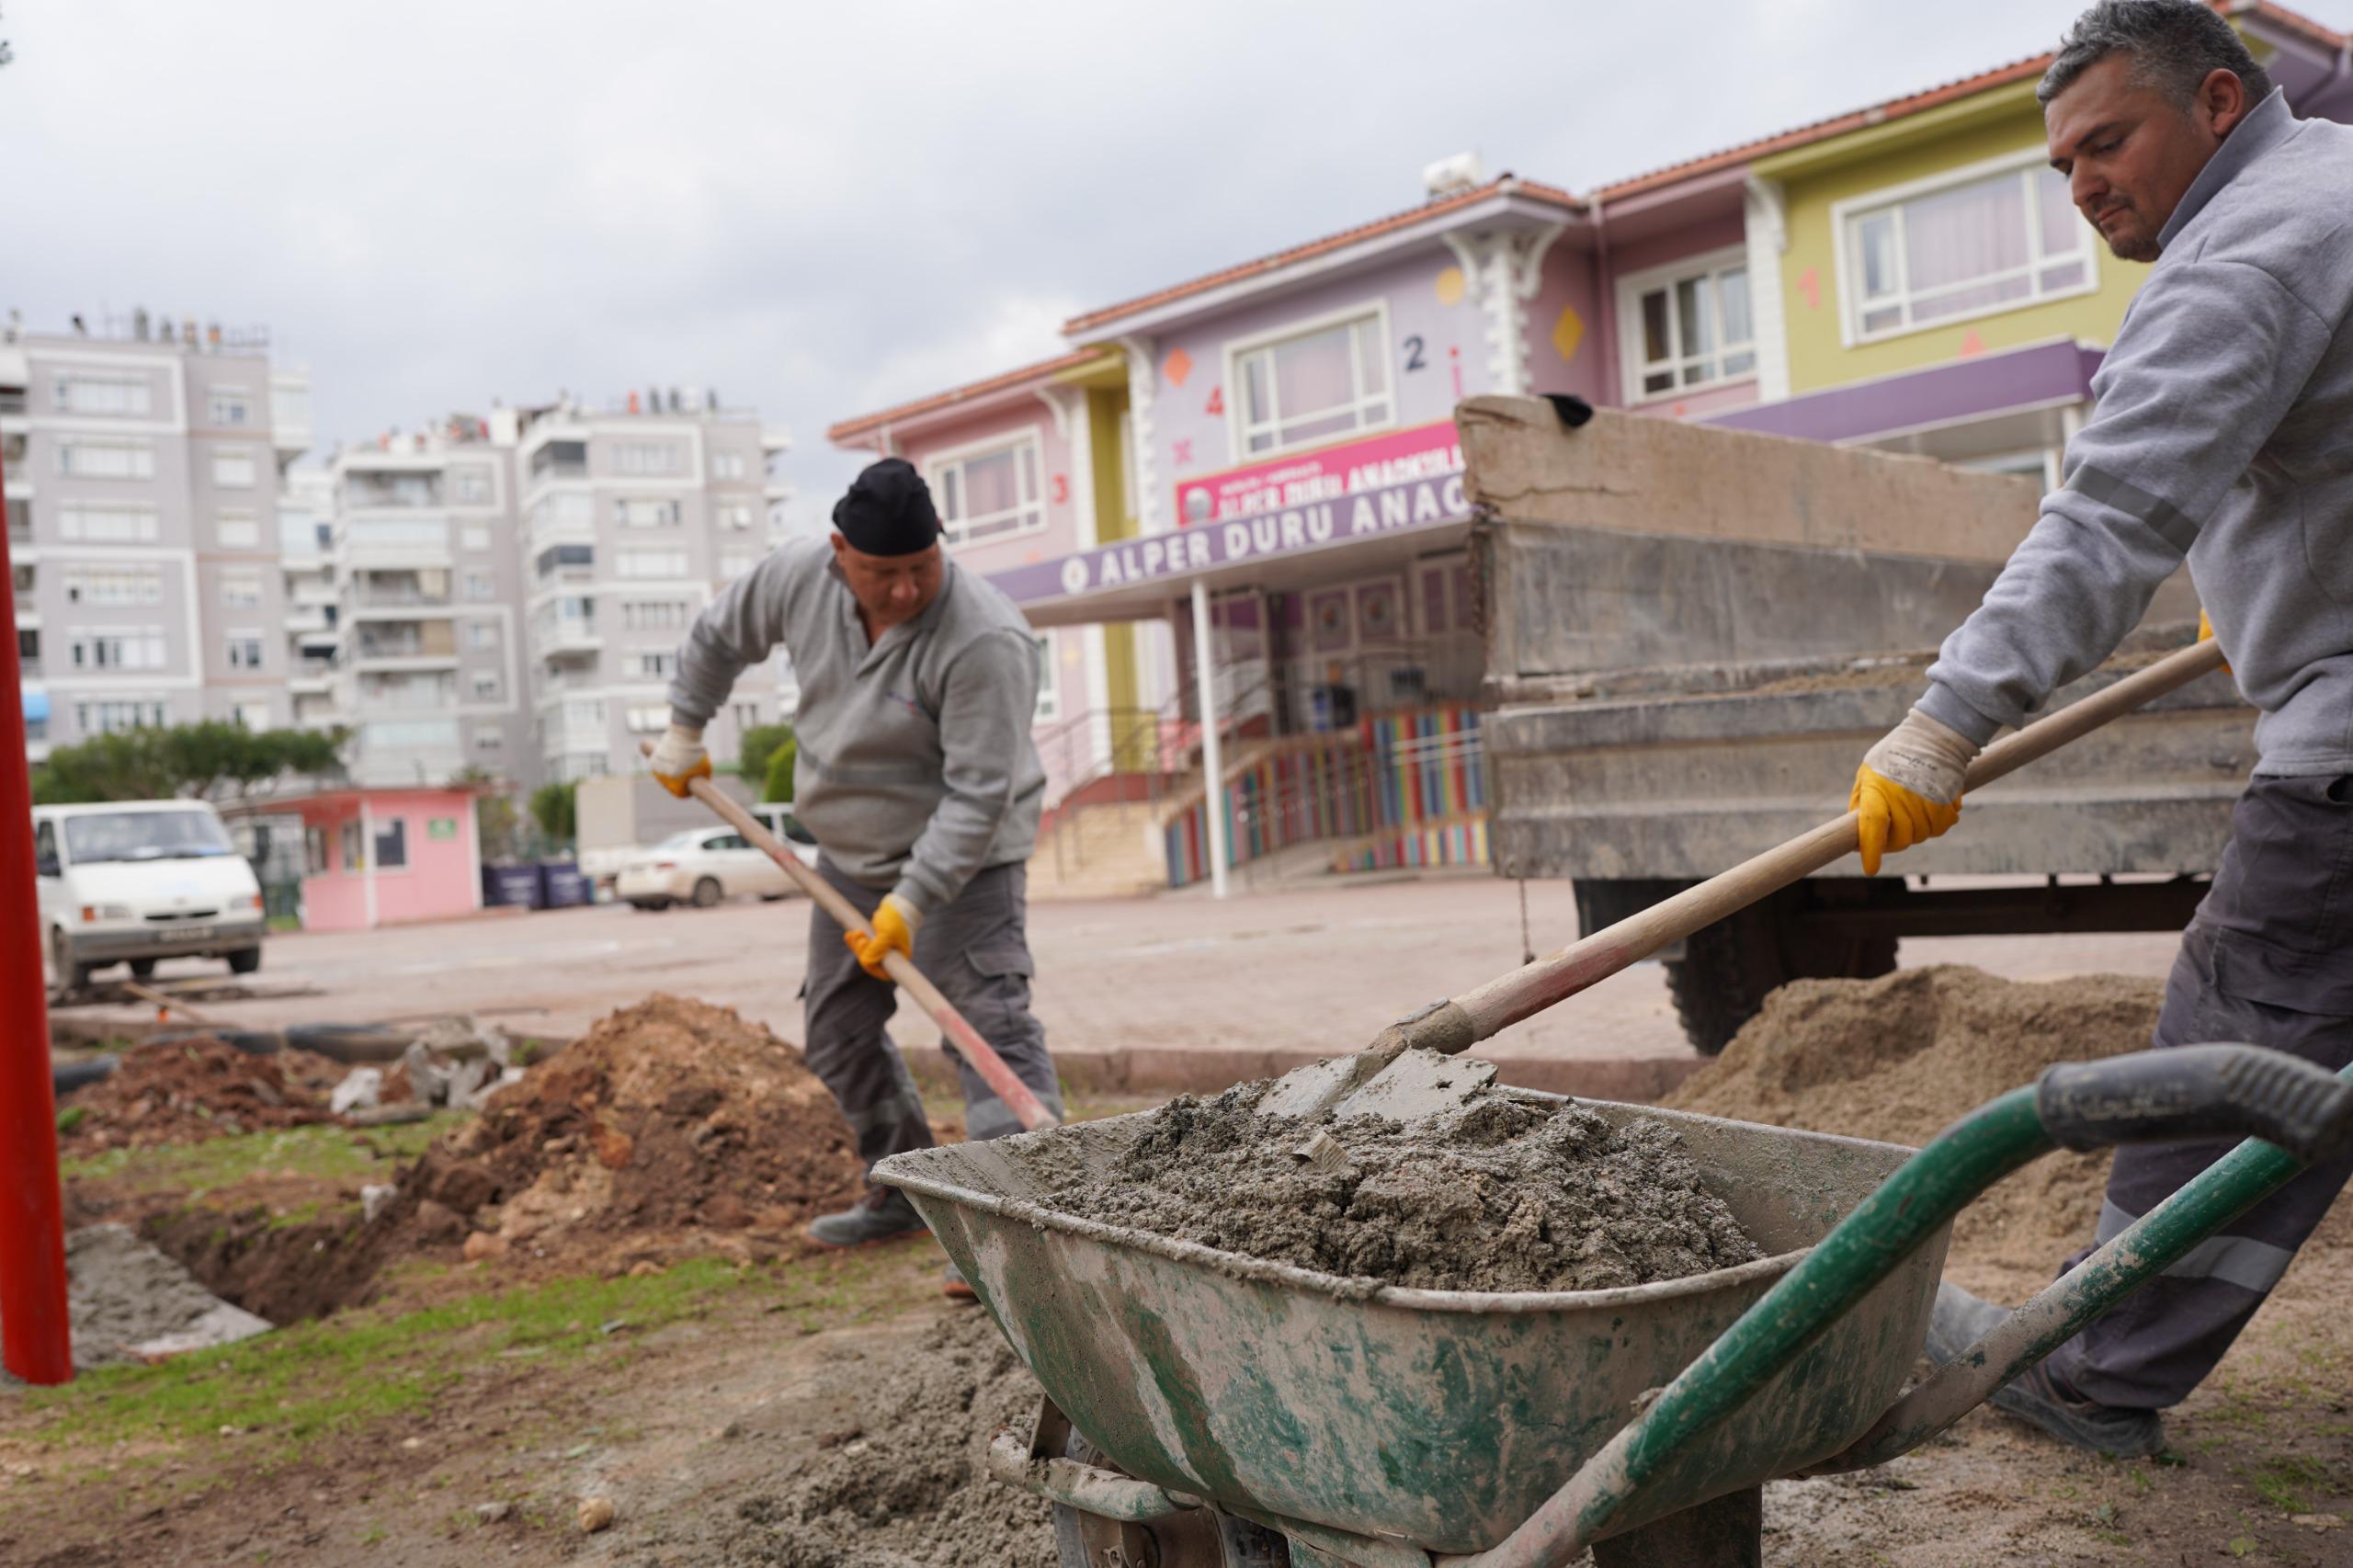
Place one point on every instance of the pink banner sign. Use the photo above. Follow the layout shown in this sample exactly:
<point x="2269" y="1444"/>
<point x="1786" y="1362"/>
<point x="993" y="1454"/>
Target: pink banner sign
<point x="1334" y="474"/>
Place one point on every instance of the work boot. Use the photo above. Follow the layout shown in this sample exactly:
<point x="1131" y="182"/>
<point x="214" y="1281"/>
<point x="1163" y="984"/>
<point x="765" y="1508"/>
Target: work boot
<point x="1960" y="1320"/>
<point x="954" y="1285"/>
<point x="882" y="1214"/>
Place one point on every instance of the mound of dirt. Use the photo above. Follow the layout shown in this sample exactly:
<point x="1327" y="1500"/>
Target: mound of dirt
<point x="1499" y="1194"/>
<point x="1902" y="1057"/>
<point x="670" y="1122"/>
<point x="189" y="1090"/>
<point x="910" y="1489"/>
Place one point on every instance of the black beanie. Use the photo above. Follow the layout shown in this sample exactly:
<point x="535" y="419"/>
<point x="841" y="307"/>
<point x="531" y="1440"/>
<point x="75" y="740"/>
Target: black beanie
<point x="888" y="510"/>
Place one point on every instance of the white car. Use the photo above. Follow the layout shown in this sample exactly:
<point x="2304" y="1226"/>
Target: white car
<point x="133" y="882"/>
<point x="704" y="865"/>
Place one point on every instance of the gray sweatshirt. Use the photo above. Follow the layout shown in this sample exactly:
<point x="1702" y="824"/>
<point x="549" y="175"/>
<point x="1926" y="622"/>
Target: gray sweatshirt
<point x="916" y="768"/>
<point x="2223" y="432"/>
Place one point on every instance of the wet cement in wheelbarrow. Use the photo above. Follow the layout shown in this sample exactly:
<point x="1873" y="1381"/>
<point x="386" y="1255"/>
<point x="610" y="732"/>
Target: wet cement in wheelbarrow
<point x="1501" y="1194"/>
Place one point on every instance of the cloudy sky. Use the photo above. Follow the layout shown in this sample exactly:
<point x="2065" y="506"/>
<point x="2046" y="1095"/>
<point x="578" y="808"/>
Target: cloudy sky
<point x="822" y="209"/>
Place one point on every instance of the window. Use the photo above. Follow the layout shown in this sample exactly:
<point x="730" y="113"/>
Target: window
<point x="113" y="718"/>
<point x="289" y="407"/>
<point x="566" y="510"/>
<point x="555" y="558"/>
<point x="650" y="665"/>
<point x="100" y="394"/>
<point x="650" y="563"/>
<point x="231" y="407"/>
<point x="409" y="735"/>
<point x="1990" y="241"/>
<point x="107" y="522"/>
<point x="646" y="457"/>
<point x="232" y="467"/>
<point x="1688" y="326"/>
<point x="481" y="585"/>
<point x="21" y="576"/>
<point x="469" y="486"/>
<point x="114" y="584"/>
<point x="649" y="720"/>
<point x="403" y="535"/>
<point x="726" y="465"/>
<point x="585" y="712"/>
<point x="987" y="494"/>
<point x="28" y="651"/>
<point x="1311" y="386"/>
<point x="488" y="738"/>
<point x="129" y="648"/>
<point x="653" y="615"/>
<point x="237" y="531"/>
<point x="645" y="514"/>
<point x="353" y="860"/>
<point x="474" y="538"/>
<point x="254" y="716"/>
<point x="481" y="634"/>
<point x="1050" y="699"/>
<point x="245" y="650"/>
<point x="735" y="515"/>
<point x="106" y="460"/>
<point x="734" y="564"/>
<point x="747" y="715"/>
<point x="391" y="845"/>
<point x="240" y="588"/>
<point x="486" y="688"/>
<point x="314" y="852"/>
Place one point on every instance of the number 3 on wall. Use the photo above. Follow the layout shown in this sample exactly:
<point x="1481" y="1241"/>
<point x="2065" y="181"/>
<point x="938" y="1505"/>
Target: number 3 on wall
<point x="1413" y="354"/>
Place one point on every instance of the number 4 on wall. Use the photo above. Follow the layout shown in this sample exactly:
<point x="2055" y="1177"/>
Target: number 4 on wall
<point x="1216" y="404"/>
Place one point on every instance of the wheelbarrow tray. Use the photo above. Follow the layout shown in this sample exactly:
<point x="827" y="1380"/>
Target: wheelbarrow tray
<point x="1441" y="1418"/>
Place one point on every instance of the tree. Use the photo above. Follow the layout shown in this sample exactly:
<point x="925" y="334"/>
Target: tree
<point x="778" y="778"/>
<point x="551" y="808"/>
<point x="204" y="761"/>
<point x="498" y="822"/>
<point x="759" y="743"/>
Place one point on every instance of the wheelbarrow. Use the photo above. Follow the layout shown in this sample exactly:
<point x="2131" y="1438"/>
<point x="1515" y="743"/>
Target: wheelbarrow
<point x="1235" y="1411"/>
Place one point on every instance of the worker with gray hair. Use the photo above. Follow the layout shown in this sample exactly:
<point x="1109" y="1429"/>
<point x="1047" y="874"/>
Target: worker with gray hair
<point x="2219" y="437"/>
<point x="917" y="774"/>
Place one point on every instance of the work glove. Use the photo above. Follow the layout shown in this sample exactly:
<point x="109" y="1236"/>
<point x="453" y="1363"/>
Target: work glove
<point x="1908" y="788"/>
<point x="895" y="924"/>
<point x="680" y="759"/>
<point x="2205" y="634"/>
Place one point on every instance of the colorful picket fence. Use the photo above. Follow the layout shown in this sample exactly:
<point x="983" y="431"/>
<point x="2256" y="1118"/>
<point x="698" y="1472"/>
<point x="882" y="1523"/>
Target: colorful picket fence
<point x="1403" y="789"/>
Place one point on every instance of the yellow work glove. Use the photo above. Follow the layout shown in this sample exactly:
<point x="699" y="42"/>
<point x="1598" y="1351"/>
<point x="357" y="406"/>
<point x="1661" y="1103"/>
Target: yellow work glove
<point x="895" y="924"/>
<point x="679" y="759"/>
<point x="1908" y="788"/>
<point x="2205" y="634"/>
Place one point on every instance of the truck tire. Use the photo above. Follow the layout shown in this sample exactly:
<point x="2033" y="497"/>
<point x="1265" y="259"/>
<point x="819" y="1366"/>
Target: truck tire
<point x="245" y="961"/>
<point x="143" y="969"/>
<point x="1727" y="970"/>
<point x="70" y="976"/>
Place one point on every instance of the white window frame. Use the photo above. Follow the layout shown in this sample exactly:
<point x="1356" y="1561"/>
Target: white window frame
<point x="1632" y="368"/>
<point x="247" y="648"/>
<point x="139" y="456"/>
<point x="734" y="563"/>
<point x="954" y="536"/>
<point x="1237" y="428"/>
<point x="241" y="587"/>
<point x="138" y="401"/>
<point x="630" y="459"/>
<point x="474" y="538"/>
<point x="141" y="523"/>
<point x="1050" y="680"/>
<point x="654" y="663"/>
<point x="487" y="687"/>
<point x="239" y="398"/>
<point x="461" y="476"/>
<point x="234" y="454"/>
<point x="727" y="465"/>
<point x="236" y="530"/>
<point x="1846" y="216"/>
<point x="481" y="634"/>
<point x="631" y="564"/>
<point x="481" y="586"/>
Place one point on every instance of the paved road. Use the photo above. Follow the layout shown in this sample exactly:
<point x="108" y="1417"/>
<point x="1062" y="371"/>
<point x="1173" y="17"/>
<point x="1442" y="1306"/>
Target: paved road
<point x="1174" y="992"/>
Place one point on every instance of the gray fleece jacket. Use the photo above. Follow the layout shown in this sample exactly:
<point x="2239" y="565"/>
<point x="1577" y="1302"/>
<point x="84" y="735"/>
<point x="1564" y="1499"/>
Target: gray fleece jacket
<point x="2223" y="433"/>
<point x="916" y="768"/>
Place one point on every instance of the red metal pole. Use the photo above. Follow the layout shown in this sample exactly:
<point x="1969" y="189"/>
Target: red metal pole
<point x="35" y="1333"/>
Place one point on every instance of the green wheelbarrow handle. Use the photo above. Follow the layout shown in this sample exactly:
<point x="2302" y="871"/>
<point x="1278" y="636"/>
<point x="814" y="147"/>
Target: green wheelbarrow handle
<point x="2302" y="1112"/>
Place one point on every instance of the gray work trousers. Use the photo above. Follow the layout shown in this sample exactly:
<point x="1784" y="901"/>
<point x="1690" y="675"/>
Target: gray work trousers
<point x="2267" y="960"/>
<point x="975" y="948"/>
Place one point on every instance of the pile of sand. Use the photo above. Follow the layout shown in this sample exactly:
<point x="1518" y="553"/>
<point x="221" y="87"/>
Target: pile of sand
<point x="909" y="1488"/>
<point x="189" y="1090"/>
<point x="1499" y="1194"/>
<point x="670" y="1122"/>
<point x="1900" y="1058"/>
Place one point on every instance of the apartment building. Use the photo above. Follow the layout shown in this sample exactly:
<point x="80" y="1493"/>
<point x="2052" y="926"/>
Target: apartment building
<point x="632" y="519"/>
<point x="142" y="464"/>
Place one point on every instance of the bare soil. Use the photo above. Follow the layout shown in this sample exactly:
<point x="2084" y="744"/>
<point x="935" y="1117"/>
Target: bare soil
<point x="189" y="1090"/>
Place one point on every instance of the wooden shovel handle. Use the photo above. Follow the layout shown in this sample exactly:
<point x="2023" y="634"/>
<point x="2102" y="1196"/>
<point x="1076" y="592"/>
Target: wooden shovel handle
<point x="1017" y="1096"/>
<point x="1506" y="999"/>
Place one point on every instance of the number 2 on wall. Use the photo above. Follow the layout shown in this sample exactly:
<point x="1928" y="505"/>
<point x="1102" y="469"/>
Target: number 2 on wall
<point x="1413" y="361"/>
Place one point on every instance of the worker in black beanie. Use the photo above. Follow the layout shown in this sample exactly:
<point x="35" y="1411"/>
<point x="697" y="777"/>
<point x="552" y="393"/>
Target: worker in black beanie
<point x="917" y="774"/>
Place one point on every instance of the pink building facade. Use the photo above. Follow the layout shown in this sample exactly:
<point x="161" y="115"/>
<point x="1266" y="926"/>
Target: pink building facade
<point x="387" y="856"/>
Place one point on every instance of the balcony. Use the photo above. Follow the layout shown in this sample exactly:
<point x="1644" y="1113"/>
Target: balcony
<point x="566" y="639"/>
<point x="405" y="694"/>
<point x="302" y="619"/>
<point x="560" y="460"/>
<point x="388" y="492"/>
<point x="20" y="519"/>
<point x="400" y="591"/>
<point x="289" y="414"/>
<point x="405" y="646"/>
<point x="566" y="563"/>
<point x="397" y="541"/>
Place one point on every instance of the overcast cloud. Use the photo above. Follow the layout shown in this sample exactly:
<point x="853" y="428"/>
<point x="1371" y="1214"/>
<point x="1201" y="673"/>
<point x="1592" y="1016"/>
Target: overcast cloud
<point x="822" y="209"/>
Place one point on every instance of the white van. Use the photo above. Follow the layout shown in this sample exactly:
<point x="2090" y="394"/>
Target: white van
<point x="133" y="882"/>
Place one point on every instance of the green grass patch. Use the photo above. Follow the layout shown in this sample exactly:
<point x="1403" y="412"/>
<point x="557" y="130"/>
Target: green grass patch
<point x="2289" y="1483"/>
<point x="330" y="1154"/>
<point x="343" y="1374"/>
